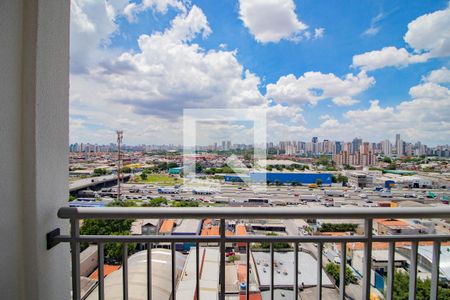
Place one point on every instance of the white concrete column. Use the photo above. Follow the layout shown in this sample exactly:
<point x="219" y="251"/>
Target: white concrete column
<point x="34" y="86"/>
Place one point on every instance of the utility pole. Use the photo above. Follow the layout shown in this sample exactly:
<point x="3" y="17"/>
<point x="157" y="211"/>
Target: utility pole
<point x="119" y="161"/>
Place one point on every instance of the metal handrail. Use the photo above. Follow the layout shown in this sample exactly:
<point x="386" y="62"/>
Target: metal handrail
<point x="251" y="213"/>
<point x="224" y="213"/>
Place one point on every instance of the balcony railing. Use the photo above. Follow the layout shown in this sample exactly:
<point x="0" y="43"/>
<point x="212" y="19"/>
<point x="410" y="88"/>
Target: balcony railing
<point x="223" y="214"/>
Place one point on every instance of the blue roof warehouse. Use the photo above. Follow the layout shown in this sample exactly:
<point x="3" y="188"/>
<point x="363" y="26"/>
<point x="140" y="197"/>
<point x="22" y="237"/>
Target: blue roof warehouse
<point x="283" y="178"/>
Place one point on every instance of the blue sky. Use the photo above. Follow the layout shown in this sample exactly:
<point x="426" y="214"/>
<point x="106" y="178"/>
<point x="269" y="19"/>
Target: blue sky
<point x="331" y="69"/>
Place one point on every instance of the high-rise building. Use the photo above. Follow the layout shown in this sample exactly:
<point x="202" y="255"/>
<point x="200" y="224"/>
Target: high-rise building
<point x="387" y="147"/>
<point x="355" y="145"/>
<point x="338" y="147"/>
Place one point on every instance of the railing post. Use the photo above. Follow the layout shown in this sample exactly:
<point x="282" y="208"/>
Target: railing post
<point x="197" y="271"/>
<point x="435" y="270"/>
<point x="174" y="270"/>
<point x="413" y="272"/>
<point x="272" y="272"/>
<point x="367" y="268"/>
<point x="222" y="259"/>
<point x="390" y="274"/>
<point x="247" y="284"/>
<point x="342" y="271"/>
<point x="75" y="249"/>
<point x="101" y="271"/>
<point x="319" y="270"/>
<point x="125" y="270"/>
<point x="296" y="271"/>
<point x="149" y="271"/>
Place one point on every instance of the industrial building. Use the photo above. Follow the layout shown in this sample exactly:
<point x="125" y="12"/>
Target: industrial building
<point x="282" y="178"/>
<point x="176" y="170"/>
<point x="284" y="270"/>
<point x="137" y="276"/>
<point x="360" y="179"/>
<point x="187" y="227"/>
<point x="209" y="275"/>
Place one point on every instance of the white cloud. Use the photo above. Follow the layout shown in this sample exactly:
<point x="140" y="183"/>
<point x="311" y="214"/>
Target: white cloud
<point x="371" y="31"/>
<point x="428" y="36"/>
<point x="92" y="23"/>
<point x="312" y="87"/>
<point x="319" y="32"/>
<point x="271" y="20"/>
<point x="374" y="25"/>
<point x="386" y="57"/>
<point x="441" y="75"/>
<point x="425" y="117"/>
<point x="430" y="33"/>
<point x="160" y="6"/>
<point x="146" y="89"/>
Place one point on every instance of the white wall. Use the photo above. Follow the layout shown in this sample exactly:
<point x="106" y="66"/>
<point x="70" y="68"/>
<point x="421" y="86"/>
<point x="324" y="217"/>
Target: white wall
<point x="11" y="279"/>
<point x="34" y="81"/>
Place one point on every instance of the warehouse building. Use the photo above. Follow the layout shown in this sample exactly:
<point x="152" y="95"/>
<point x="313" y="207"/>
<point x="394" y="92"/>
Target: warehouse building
<point x="282" y="178"/>
<point x="137" y="276"/>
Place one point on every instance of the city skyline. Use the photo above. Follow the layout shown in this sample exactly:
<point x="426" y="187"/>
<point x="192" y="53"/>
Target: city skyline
<point x="371" y="70"/>
<point x="314" y="147"/>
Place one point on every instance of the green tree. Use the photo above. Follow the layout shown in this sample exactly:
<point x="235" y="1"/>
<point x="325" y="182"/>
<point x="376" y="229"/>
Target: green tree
<point x="331" y="227"/>
<point x="143" y="176"/>
<point x="119" y="203"/>
<point x="392" y="166"/>
<point x="126" y="170"/>
<point x="172" y="165"/>
<point x="185" y="204"/>
<point x="387" y="159"/>
<point x="198" y="168"/>
<point x="113" y="251"/>
<point x="333" y="269"/>
<point x="72" y="198"/>
<point x="233" y="258"/>
<point x="99" y="172"/>
<point x="277" y="245"/>
<point x="156" y="202"/>
<point x="401" y="281"/>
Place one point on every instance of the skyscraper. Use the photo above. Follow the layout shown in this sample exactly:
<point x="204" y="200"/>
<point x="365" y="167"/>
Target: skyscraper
<point x="356" y="144"/>
<point x="387" y="147"/>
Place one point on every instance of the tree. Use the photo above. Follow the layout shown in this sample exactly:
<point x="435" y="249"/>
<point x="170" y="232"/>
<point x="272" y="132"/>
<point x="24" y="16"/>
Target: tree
<point x="344" y="227"/>
<point x="185" y="204"/>
<point x="156" y="202"/>
<point x="143" y="176"/>
<point x="333" y="270"/>
<point x="119" y="203"/>
<point x="99" y="172"/>
<point x="278" y="245"/>
<point x="126" y="170"/>
<point x="113" y="251"/>
<point x="401" y="290"/>
<point x="392" y="166"/>
<point x="72" y="198"/>
<point x="198" y="168"/>
<point x="172" y="165"/>
<point x="342" y="178"/>
<point x="387" y="159"/>
<point x="233" y="258"/>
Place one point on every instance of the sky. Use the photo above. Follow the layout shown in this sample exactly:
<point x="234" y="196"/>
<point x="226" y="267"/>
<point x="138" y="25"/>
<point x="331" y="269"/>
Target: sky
<point x="331" y="69"/>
